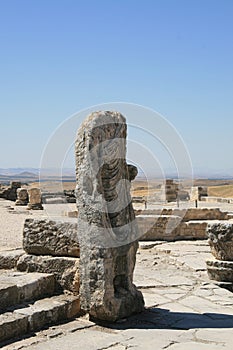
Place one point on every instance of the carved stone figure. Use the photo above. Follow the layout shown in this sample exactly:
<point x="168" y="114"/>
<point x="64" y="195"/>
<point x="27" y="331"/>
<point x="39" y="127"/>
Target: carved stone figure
<point x="107" y="229"/>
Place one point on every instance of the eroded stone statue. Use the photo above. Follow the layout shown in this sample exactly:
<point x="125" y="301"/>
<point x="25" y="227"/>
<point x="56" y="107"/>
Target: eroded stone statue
<point x="107" y="230"/>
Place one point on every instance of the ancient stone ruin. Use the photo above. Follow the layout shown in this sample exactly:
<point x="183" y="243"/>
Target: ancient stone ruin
<point x="52" y="247"/>
<point x="107" y="230"/>
<point x="22" y="196"/>
<point x="198" y="193"/>
<point x="35" y="201"/>
<point x="221" y="243"/>
<point x="10" y="192"/>
<point x="171" y="190"/>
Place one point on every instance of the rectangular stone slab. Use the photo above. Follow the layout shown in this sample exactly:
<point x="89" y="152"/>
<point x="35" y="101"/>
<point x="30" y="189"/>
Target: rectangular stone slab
<point x="49" y="237"/>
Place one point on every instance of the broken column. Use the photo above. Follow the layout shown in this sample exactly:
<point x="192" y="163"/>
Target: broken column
<point x="107" y="230"/>
<point x="35" y="201"/>
<point x="220" y="268"/>
<point x="22" y="196"/>
<point x="171" y="190"/>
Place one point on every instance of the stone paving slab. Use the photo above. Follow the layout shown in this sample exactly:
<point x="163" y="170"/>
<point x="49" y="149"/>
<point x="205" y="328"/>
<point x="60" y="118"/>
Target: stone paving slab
<point x="184" y="310"/>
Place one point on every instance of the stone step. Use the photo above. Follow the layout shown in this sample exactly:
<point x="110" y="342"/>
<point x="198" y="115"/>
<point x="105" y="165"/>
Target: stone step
<point x="17" y="287"/>
<point x="26" y="318"/>
<point x="9" y="258"/>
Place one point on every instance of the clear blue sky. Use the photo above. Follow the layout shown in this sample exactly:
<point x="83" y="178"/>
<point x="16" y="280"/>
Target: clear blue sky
<point x="174" y="56"/>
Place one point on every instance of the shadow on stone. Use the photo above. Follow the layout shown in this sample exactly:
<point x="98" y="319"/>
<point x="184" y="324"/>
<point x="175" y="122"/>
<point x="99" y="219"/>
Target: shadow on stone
<point x="157" y="318"/>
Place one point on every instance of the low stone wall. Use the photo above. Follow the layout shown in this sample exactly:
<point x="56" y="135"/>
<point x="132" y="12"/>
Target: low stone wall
<point x="170" y="228"/>
<point x="217" y="200"/>
<point x="189" y="214"/>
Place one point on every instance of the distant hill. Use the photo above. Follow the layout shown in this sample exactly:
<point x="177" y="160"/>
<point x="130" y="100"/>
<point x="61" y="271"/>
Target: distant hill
<point x="26" y="174"/>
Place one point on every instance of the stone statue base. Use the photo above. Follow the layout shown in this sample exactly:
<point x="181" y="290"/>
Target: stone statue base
<point x="220" y="270"/>
<point x="37" y="206"/>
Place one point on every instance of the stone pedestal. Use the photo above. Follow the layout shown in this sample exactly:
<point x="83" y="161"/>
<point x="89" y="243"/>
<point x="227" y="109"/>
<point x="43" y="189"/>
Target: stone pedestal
<point x="22" y="196"/>
<point x="221" y="243"/>
<point x="219" y="270"/>
<point x="107" y="229"/>
<point x="35" y="201"/>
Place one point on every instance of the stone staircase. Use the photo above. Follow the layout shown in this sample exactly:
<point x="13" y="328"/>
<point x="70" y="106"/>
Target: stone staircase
<point x="30" y="301"/>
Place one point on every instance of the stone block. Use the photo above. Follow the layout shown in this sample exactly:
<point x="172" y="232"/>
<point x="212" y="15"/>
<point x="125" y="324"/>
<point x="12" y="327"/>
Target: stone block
<point x="12" y="325"/>
<point x="48" y="237"/>
<point x="17" y="287"/>
<point x="35" y="200"/>
<point x="65" y="269"/>
<point x="8" y="294"/>
<point x="50" y="311"/>
<point x="9" y="258"/>
<point x="220" y="239"/>
<point x="219" y="270"/>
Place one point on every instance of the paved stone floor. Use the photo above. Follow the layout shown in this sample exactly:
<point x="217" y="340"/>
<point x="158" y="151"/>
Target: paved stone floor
<point x="184" y="309"/>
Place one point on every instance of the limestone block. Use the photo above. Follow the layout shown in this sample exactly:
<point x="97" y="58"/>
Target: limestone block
<point x="219" y="270"/>
<point x="170" y="228"/>
<point x="221" y="240"/>
<point x="65" y="269"/>
<point x="48" y="237"/>
<point x="8" y="294"/>
<point x="35" y="201"/>
<point x="9" y="258"/>
<point x="107" y="230"/>
<point x="12" y="325"/>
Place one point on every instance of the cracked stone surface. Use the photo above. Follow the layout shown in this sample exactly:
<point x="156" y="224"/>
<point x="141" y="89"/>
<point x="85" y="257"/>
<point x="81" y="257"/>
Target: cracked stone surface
<point x="184" y="309"/>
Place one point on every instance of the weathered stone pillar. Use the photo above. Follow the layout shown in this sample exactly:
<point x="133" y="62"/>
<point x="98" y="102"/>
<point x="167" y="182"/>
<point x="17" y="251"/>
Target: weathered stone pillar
<point x="35" y="201"/>
<point x="22" y="196"/>
<point x="220" y="268"/>
<point x="107" y="229"/>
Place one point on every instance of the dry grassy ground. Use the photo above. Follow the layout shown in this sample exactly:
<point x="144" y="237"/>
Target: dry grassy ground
<point x="225" y="191"/>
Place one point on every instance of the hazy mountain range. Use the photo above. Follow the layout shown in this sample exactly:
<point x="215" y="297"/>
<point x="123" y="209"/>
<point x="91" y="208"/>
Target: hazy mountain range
<point x="32" y="174"/>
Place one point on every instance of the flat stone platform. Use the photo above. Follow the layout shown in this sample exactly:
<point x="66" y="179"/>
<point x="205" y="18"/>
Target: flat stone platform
<point x="184" y="309"/>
